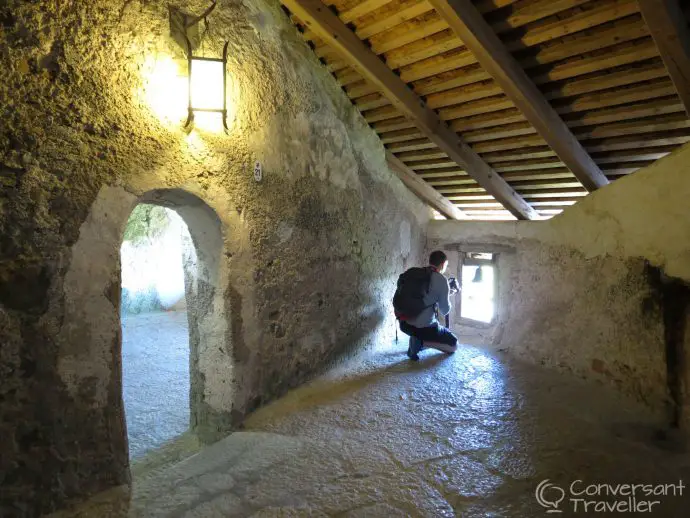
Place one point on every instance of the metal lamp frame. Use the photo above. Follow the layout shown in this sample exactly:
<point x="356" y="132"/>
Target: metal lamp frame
<point x="184" y="29"/>
<point x="190" y="109"/>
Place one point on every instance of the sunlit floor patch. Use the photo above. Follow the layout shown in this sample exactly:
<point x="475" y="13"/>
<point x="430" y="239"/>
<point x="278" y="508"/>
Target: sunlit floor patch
<point x="469" y="435"/>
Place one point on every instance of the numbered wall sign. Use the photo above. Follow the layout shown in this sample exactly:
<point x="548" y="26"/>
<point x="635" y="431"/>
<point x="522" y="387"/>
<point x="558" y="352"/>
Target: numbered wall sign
<point x="258" y="172"/>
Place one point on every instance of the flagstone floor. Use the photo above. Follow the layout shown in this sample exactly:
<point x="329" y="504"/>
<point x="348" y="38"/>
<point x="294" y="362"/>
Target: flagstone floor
<point x="474" y="434"/>
<point x="155" y="379"/>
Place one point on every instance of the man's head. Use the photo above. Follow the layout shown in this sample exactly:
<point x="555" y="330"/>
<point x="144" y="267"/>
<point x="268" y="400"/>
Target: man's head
<point x="439" y="260"/>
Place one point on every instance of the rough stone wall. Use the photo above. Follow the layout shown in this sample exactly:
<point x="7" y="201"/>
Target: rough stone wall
<point x="581" y="292"/>
<point x="306" y="261"/>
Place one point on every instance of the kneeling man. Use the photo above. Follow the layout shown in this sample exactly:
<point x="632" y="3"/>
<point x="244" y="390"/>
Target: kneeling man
<point x="421" y="292"/>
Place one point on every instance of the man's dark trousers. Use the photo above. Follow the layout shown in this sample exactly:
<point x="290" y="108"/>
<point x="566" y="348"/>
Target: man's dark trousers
<point x="434" y="333"/>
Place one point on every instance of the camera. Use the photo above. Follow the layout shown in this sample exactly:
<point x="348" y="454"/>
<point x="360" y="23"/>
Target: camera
<point x="453" y="284"/>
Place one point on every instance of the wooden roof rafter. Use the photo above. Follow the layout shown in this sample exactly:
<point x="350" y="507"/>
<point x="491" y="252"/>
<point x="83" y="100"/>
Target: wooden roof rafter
<point x="332" y="30"/>
<point x="480" y="38"/>
<point x="669" y="29"/>
<point x="594" y="61"/>
<point x="423" y="190"/>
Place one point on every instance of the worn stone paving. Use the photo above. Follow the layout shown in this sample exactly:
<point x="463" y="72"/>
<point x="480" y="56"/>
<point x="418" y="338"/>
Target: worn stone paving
<point x="469" y="435"/>
<point x="155" y="379"/>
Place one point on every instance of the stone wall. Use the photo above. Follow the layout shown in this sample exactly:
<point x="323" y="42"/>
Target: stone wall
<point x="296" y="270"/>
<point x="591" y="291"/>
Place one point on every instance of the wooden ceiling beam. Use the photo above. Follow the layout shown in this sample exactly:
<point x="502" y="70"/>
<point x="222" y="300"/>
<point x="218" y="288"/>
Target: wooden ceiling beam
<point x="538" y="184"/>
<point x="496" y="139"/>
<point x="441" y="182"/>
<point x="520" y="176"/>
<point x="527" y="154"/>
<point x="404" y="135"/>
<point x="407" y="33"/>
<point x="487" y="120"/>
<point x="639" y="142"/>
<point x="670" y="32"/>
<point x="652" y="108"/>
<point x="433" y="81"/>
<point x="468" y="109"/>
<point x="538" y="165"/>
<point x="423" y="190"/>
<point x="477" y="34"/>
<point x="422" y="155"/>
<point x="381" y="114"/>
<point x="400" y="123"/>
<point x="515" y="129"/>
<point x="412" y="145"/>
<point x="432" y="164"/>
<point x="474" y="189"/>
<point x="633" y="155"/>
<point x="625" y="118"/>
<point x="449" y="173"/>
<point x="371" y="102"/>
<point x="585" y="66"/>
<point x="559" y="194"/>
<point x="563" y="94"/>
<point x="329" y="27"/>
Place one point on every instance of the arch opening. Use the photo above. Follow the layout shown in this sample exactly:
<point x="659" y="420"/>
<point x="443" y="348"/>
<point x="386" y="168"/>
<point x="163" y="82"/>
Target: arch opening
<point x="156" y="250"/>
<point x="177" y="373"/>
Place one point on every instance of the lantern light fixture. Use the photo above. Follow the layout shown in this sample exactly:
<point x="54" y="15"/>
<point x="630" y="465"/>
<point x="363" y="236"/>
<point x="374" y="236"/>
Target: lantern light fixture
<point x="206" y="76"/>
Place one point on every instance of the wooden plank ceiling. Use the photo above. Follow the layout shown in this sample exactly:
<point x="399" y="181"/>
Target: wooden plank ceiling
<point x="609" y="96"/>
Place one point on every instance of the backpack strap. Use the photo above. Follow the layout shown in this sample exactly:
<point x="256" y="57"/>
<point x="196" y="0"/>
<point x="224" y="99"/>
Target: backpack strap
<point x="430" y="271"/>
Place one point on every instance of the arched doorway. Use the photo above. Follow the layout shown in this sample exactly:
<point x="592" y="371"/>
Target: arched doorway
<point x="211" y="373"/>
<point x="88" y="341"/>
<point x="155" y="253"/>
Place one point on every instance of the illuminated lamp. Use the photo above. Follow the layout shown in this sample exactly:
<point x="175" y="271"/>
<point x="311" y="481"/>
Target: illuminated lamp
<point x="207" y="76"/>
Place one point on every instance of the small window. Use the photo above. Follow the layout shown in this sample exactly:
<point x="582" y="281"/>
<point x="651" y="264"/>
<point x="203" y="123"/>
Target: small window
<point x="478" y="277"/>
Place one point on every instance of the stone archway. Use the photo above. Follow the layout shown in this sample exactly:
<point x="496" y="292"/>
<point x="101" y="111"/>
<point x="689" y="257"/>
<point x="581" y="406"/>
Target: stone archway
<point x="89" y="336"/>
<point x="210" y="369"/>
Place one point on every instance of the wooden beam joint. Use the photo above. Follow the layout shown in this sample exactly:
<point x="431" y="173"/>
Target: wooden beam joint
<point x="423" y="190"/>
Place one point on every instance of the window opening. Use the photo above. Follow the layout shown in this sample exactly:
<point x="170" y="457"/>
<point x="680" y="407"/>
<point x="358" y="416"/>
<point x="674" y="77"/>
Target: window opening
<point x="478" y="281"/>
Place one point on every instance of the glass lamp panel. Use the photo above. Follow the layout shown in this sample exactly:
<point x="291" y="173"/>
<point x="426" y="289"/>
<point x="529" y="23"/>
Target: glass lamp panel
<point x="207" y="85"/>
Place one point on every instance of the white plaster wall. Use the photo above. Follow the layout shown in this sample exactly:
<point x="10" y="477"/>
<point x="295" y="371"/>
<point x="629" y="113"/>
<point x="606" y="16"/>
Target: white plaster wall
<point x="94" y="270"/>
<point x="575" y="292"/>
<point x="646" y="214"/>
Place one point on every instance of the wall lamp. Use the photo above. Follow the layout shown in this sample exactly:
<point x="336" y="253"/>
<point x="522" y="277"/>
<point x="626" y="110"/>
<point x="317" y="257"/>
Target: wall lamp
<point x="207" y="76"/>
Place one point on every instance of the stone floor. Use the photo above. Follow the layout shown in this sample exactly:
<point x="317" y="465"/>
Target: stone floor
<point x="469" y="435"/>
<point x="155" y="379"/>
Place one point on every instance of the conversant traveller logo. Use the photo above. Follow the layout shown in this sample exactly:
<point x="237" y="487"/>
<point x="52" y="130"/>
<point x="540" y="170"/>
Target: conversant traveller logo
<point x="549" y="496"/>
<point x="604" y="498"/>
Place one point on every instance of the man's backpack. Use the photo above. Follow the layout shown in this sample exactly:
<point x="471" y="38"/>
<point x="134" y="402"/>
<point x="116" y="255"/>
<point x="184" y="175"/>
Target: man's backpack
<point x="413" y="285"/>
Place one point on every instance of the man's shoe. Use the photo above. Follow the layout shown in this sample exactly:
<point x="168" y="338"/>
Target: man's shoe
<point x="414" y="348"/>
